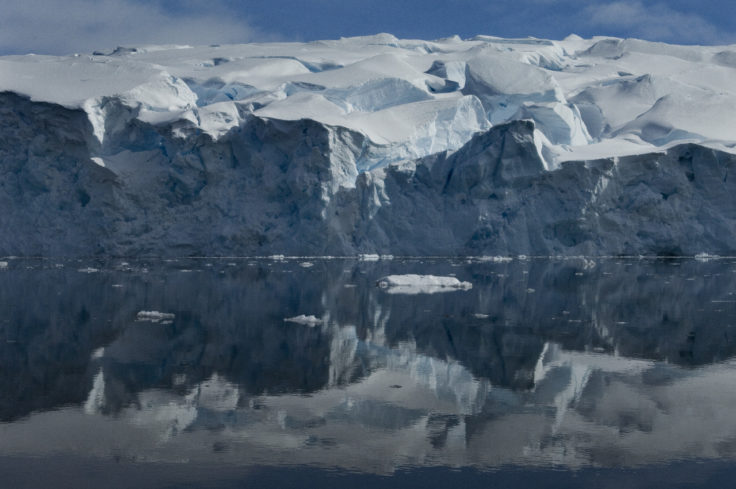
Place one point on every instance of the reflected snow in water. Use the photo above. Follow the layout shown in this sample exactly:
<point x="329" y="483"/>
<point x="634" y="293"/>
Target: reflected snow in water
<point x="556" y="373"/>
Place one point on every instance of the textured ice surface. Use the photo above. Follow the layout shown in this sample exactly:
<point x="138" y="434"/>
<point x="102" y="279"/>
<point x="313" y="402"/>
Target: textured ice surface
<point x="371" y="145"/>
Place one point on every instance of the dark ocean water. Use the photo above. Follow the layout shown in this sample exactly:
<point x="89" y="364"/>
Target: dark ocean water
<point x="189" y="373"/>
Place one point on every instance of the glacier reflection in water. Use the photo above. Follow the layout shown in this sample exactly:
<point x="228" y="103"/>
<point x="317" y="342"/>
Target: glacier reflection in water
<point x="573" y="364"/>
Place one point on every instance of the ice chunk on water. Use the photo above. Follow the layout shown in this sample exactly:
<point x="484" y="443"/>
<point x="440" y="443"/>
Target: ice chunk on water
<point x="421" y="284"/>
<point x="154" y="316"/>
<point x="705" y="257"/>
<point x="310" y="321"/>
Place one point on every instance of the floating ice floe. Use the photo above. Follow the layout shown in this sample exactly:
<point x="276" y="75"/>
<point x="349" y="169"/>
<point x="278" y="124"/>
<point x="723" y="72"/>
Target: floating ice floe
<point x="495" y="259"/>
<point x="703" y="257"/>
<point x="369" y="257"/>
<point x="155" y="316"/>
<point x="421" y="284"/>
<point x="310" y="321"/>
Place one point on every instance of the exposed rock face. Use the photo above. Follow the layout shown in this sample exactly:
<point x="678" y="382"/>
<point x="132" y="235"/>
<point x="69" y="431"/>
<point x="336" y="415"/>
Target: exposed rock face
<point x="293" y="187"/>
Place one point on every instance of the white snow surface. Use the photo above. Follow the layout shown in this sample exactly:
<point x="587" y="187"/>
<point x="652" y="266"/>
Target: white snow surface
<point x="412" y="284"/>
<point x="371" y="146"/>
<point x="420" y="97"/>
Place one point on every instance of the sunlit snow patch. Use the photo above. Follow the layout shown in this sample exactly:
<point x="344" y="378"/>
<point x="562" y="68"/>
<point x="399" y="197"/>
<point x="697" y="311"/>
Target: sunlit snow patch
<point x="421" y="284"/>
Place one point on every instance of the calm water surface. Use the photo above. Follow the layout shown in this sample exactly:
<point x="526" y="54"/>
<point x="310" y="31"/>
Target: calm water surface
<point x="190" y="373"/>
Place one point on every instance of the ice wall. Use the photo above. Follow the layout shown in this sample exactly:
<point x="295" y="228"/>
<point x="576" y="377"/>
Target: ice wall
<point x="370" y="145"/>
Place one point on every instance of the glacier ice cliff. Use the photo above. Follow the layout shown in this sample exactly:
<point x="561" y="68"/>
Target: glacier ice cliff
<point x="370" y="145"/>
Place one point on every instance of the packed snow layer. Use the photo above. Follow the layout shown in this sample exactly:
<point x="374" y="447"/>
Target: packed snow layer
<point x="371" y="145"/>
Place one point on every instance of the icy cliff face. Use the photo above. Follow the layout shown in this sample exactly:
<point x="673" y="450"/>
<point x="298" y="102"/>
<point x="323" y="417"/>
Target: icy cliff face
<point x="494" y="195"/>
<point x="371" y="145"/>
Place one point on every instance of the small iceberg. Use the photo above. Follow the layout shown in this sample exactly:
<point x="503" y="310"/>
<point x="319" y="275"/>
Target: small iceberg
<point x="310" y="321"/>
<point x="705" y="257"/>
<point x="155" y="317"/>
<point x="498" y="259"/>
<point x="421" y="284"/>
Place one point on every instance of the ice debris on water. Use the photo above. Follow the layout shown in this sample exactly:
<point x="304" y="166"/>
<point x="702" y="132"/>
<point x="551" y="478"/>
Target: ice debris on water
<point x="705" y="257"/>
<point x="310" y="321"/>
<point x="155" y="316"/>
<point x="495" y="259"/>
<point x="421" y="284"/>
<point x="369" y="257"/>
<point x="3" y="265"/>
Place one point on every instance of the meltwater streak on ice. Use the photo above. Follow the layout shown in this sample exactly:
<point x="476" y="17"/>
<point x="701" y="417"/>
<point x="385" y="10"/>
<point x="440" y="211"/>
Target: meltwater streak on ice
<point x="371" y="145"/>
<point x="607" y="363"/>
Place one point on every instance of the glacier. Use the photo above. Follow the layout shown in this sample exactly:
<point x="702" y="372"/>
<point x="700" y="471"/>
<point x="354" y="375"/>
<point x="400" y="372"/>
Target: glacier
<point x="371" y="146"/>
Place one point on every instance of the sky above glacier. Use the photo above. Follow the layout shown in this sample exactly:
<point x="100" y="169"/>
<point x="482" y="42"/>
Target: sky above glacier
<point x="65" y="26"/>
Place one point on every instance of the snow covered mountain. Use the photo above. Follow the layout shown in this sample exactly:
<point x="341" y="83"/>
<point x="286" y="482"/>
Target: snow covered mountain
<point x="371" y="145"/>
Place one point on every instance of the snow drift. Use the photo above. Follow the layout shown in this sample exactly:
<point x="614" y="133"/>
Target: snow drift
<point x="371" y="146"/>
